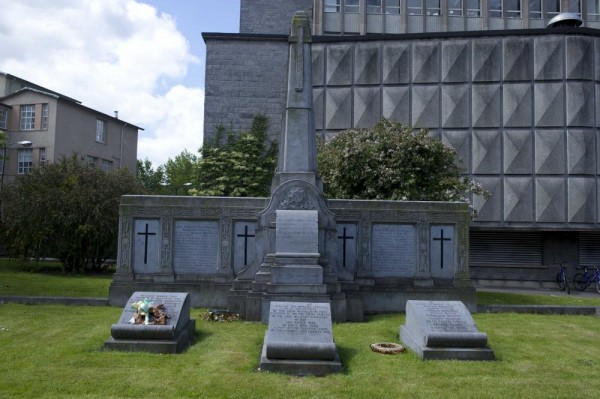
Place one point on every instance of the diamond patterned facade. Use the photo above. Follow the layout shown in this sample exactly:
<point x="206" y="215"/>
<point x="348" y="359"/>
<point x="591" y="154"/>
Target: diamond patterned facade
<point x="516" y="109"/>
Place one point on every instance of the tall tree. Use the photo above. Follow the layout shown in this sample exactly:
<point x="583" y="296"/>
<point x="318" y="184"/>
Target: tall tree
<point x="393" y="162"/>
<point x="68" y="210"/>
<point x="241" y="167"/>
<point x="179" y="172"/>
<point x="150" y="178"/>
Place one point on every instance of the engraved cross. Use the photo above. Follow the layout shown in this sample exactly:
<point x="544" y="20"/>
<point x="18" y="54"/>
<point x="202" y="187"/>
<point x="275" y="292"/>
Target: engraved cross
<point x="344" y="237"/>
<point x="246" y="236"/>
<point x="441" y="239"/>
<point x="146" y="234"/>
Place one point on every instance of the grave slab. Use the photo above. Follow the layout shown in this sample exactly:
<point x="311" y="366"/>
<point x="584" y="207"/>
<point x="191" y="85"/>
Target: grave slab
<point x="443" y="330"/>
<point x="173" y="337"/>
<point x="299" y="340"/>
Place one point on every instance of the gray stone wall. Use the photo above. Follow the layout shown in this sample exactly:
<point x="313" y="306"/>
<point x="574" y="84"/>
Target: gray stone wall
<point x="244" y="78"/>
<point x="270" y="17"/>
<point x="518" y="109"/>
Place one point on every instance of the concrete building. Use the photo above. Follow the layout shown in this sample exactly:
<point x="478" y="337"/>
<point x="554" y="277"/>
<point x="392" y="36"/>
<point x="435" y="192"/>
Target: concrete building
<point x="43" y="126"/>
<point x="517" y="100"/>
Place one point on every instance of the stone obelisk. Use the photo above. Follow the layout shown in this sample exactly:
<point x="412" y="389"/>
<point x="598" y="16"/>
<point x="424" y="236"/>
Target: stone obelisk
<point x="296" y="243"/>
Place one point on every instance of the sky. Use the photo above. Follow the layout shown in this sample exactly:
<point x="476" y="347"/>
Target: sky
<point x="144" y="58"/>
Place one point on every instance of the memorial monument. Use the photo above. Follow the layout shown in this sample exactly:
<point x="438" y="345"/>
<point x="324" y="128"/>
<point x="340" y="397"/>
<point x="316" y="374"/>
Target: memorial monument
<point x="295" y="246"/>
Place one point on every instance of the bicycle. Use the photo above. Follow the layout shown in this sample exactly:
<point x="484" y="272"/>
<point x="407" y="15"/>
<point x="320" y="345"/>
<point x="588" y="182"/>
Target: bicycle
<point x="583" y="280"/>
<point x="562" y="280"/>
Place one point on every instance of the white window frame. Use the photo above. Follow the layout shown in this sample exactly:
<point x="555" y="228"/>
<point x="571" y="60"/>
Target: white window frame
<point x="473" y="12"/>
<point x="106" y="165"/>
<point x="412" y="9"/>
<point x="45" y="116"/>
<point x="593" y="10"/>
<point x="91" y="161"/>
<point x="27" y="117"/>
<point x="3" y="118"/>
<point x="513" y="13"/>
<point x="100" y="131"/>
<point x="333" y="6"/>
<point x="433" y="7"/>
<point x="353" y="7"/>
<point x="455" y="10"/>
<point x="24" y="160"/>
<point x="374" y="6"/>
<point x="42" y="156"/>
<point x="495" y="12"/>
<point x="394" y="8"/>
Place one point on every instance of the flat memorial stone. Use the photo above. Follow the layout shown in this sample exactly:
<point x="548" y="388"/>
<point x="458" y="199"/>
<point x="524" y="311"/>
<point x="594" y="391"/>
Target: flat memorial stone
<point x="443" y="330"/>
<point x="172" y="337"/>
<point x="299" y="340"/>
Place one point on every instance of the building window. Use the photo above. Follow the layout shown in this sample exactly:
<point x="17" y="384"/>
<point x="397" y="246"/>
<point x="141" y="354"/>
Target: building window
<point x="91" y="161"/>
<point x="44" y="116"/>
<point x="513" y="8"/>
<point x="593" y="11"/>
<point x="415" y="7"/>
<point x="100" y="131"/>
<point x="392" y="7"/>
<point x="332" y="5"/>
<point x="535" y="9"/>
<point x="455" y="8"/>
<point x="575" y="6"/>
<point x="433" y="7"/>
<point x="352" y="6"/>
<point x="495" y="8"/>
<point x="551" y="8"/>
<point x="3" y="118"/>
<point x="373" y="6"/>
<point x="42" y="157"/>
<point x="106" y="165"/>
<point x="24" y="161"/>
<point x="27" y="117"/>
<point x="473" y="8"/>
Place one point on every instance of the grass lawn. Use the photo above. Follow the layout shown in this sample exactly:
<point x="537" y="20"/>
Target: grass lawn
<point x="47" y="279"/>
<point x="543" y="298"/>
<point x="55" y="352"/>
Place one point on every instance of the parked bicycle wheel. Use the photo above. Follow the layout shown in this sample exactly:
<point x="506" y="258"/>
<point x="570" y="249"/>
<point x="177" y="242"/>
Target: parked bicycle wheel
<point x="563" y="283"/>
<point x="579" y="282"/>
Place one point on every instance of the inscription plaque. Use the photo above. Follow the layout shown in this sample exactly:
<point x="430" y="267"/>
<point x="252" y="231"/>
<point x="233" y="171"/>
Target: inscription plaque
<point x="297" y="232"/>
<point x="196" y="247"/>
<point x="393" y="249"/>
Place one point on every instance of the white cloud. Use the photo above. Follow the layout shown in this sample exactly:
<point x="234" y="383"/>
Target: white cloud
<point x="111" y="55"/>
